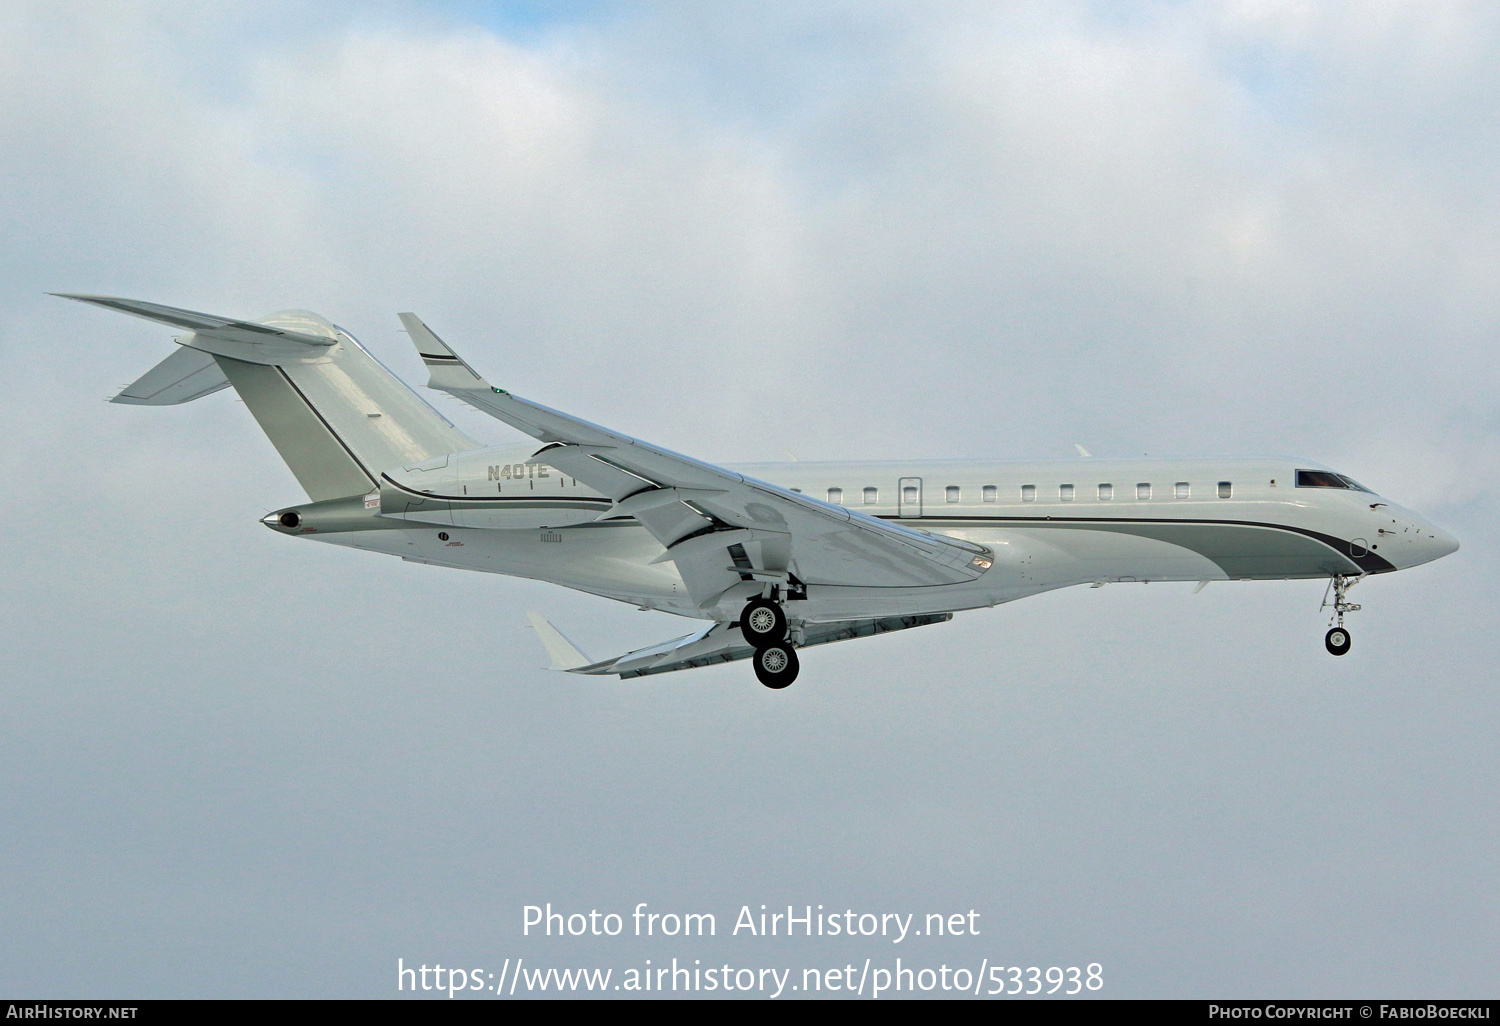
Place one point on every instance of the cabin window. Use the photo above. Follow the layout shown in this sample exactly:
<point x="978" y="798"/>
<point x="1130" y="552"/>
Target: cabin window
<point x="1106" y="492"/>
<point x="909" y="493"/>
<point x="1065" y="492"/>
<point x="988" y="493"/>
<point x="1143" y="490"/>
<point x="1226" y="489"/>
<point x="1181" y="490"/>
<point x="872" y="496"/>
<point x="953" y="493"/>
<point x="836" y="496"/>
<point x="1028" y="493"/>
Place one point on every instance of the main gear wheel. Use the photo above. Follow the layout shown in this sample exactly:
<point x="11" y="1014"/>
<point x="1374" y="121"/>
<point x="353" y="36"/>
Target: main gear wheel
<point x="763" y="623"/>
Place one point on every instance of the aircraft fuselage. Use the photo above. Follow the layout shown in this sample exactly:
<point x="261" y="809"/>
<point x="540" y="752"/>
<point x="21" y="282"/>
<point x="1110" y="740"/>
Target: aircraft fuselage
<point x="1049" y="524"/>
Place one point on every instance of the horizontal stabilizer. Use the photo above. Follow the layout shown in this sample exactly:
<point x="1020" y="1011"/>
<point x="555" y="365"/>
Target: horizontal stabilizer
<point x="723" y="643"/>
<point x="185" y="375"/>
<point x="563" y="653"/>
<point x="198" y="322"/>
<point x="225" y="336"/>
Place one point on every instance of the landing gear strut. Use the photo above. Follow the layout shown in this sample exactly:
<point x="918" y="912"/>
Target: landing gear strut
<point x="763" y="623"/>
<point x="1337" y="639"/>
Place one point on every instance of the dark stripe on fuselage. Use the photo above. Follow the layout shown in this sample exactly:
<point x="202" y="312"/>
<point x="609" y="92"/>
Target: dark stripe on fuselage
<point x="1369" y="562"/>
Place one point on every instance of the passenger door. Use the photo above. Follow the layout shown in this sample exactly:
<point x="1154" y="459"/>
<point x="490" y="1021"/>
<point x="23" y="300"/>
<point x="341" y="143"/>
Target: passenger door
<point x="909" y="497"/>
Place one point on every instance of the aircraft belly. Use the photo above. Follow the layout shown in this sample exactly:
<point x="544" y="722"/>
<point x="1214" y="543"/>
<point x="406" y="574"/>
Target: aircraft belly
<point x="1134" y="550"/>
<point x="1063" y="558"/>
<point x="1235" y="551"/>
<point x="612" y="561"/>
<point x="1024" y="564"/>
<point x="1043" y="557"/>
<point x="615" y="561"/>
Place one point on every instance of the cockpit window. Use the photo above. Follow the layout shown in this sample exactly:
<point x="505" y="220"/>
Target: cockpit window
<point x="1327" y="479"/>
<point x="1319" y="479"/>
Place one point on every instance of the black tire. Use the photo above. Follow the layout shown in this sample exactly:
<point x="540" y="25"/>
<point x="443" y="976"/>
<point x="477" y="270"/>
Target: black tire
<point x="763" y="623"/>
<point x="1337" y="641"/>
<point x="776" y="665"/>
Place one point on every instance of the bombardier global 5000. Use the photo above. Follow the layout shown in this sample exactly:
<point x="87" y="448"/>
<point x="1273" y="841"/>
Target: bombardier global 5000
<point x="774" y="558"/>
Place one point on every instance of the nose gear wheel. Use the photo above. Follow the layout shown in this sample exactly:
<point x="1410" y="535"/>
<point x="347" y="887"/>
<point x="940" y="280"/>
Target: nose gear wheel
<point x="1338" y="640"/>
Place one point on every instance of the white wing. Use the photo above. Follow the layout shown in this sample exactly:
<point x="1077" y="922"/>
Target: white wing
<point x="720" y="528"/>
<point x="723" y="643"/>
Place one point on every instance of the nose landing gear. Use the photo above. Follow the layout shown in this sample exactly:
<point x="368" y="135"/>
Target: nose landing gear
<point x="763" y="623"/>
<point x="1337" y="640"/>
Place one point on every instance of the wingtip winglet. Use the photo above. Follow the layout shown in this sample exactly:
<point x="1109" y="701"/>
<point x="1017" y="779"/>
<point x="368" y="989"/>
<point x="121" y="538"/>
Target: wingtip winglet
<point x="445" y="368"/>
<point x="424" y="338"/>
<point x="563" y="654"/>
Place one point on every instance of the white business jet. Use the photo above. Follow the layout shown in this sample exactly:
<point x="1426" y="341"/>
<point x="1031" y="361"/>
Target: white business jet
<point x="776" y="557"/>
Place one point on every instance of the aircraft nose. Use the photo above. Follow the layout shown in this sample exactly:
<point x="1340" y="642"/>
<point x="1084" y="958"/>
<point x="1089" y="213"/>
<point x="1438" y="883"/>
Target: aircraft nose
<point x="1431" y="542"/>
<point x="1441" y="542"/>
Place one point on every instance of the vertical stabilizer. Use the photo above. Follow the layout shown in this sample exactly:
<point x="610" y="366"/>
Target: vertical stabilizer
<point x="363" y="409"/>
<point x="334" y="413"/>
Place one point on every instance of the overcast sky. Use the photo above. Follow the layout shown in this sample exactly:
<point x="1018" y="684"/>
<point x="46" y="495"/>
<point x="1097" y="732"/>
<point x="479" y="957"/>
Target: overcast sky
<point x="233" y="764"/>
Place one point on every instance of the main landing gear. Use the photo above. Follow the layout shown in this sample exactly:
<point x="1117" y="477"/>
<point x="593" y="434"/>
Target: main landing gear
<point x="763" y="623"/>
<point x="776" y="665"/>
<point x="1337" y="639"/>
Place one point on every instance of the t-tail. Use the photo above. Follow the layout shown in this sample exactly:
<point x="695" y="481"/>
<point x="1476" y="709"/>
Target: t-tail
<point x="334" y="413"/>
